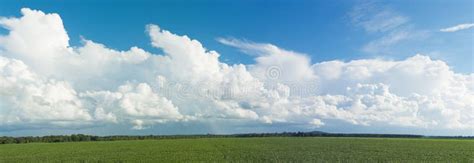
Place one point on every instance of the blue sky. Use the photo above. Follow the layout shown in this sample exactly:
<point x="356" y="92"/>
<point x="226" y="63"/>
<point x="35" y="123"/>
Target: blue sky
<point x="186" y="67"/>
<point x="321" y="29"/>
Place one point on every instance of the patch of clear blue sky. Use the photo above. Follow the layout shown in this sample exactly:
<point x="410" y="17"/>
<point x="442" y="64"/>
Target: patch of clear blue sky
<point x="322" y="29"/>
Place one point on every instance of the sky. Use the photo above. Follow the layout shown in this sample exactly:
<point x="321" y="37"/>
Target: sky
<point x="194" y="67"/>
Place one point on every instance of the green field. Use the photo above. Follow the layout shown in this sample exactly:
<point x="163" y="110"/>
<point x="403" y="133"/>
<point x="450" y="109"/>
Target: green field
<point x="270" y="149"/>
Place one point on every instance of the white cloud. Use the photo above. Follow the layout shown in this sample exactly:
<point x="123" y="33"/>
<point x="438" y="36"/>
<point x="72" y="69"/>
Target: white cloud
<point x="27" y="34"/>
<point x="274" y="63"/>
<point x="457" y="27"/>
<point x="27" y="98"/>
<point x="317" y="123"/>
<point x="389" y="27"/>
<point x="57" y="85"/>
<point x="188" y="59"/>
<point x="383" y="44"/>
<point x="374" y="18"/>
<point x="375" y="91"/>
<point x="133" y="101"/>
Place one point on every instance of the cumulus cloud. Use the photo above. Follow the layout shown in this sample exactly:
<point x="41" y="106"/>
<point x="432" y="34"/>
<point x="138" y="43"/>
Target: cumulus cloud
<point x="27" y="98"/>
<point x="273" y="63"/>
<point x="138" y="103"/>
<point x="457" y="27"/>
<point x="373" y="91"/>
<point x="46" y="82"/>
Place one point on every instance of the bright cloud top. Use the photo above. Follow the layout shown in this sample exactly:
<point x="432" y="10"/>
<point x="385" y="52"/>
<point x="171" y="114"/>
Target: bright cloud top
<point x="46" y="82"/>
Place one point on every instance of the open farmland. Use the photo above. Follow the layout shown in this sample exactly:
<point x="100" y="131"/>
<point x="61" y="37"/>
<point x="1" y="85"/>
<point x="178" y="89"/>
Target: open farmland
<point x="247" y="149"/>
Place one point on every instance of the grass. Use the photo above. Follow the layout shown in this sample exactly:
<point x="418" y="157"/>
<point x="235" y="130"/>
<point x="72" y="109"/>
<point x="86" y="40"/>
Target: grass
<point x="270" y="149"/>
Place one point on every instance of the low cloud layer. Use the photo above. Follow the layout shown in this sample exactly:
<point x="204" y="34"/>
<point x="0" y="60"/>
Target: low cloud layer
<point x="46" y="82"/>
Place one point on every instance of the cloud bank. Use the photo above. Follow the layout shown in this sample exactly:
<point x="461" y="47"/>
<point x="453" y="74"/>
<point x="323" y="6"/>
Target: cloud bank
<point x="44" y="82"/>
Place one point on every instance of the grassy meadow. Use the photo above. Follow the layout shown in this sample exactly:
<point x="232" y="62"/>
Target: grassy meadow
<point x="268" y="149"/>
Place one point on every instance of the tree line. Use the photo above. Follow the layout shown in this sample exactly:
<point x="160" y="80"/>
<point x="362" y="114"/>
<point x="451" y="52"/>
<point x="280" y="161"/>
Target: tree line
<point x="83" y="137"/>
